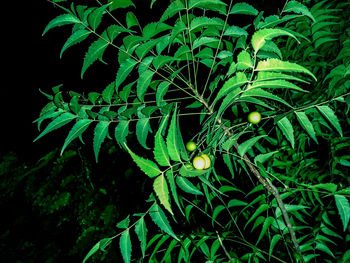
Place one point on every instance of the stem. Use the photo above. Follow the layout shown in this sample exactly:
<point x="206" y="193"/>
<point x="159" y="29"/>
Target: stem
<point x="267" y="184"/>
<point x="191" y="47"/>
<point x="224" y="248"/>
<point x="217" y="48"/>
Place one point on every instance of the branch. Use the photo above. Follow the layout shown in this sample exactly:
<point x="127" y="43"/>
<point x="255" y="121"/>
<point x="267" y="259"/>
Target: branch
<point x="267" y="184"/>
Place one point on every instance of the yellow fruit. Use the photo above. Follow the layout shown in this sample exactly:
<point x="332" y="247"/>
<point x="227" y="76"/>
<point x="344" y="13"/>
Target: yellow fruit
<point x="191" y="146"/>
<point x="207" y="160"/>
<point x="254" y="117"/>
<point x="198" y="162"/>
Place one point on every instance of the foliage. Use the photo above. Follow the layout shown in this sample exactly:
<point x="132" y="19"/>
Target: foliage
<point x="195" y="73"/>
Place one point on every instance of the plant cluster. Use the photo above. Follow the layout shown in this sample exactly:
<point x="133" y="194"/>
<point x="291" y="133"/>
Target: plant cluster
<point x="260" y="96"/>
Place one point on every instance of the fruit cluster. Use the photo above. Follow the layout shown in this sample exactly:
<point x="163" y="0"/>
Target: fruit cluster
<point x="203" y="161"/>
<point x="199" y="162"/>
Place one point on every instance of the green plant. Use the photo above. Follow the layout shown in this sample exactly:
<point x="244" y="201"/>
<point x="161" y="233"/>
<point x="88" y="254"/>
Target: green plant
<point x="195" y="65"/>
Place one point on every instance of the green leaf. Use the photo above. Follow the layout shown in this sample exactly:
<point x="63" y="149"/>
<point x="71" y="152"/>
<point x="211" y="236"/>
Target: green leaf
<point x="124" y="223"/>
<point x="58" y="122"/>
<point x="206" y="41"/>
<point x="143" y="83"/>
<point x="161" y="91"/>
<point x="276" y="84"/>
<point x="245" y="146"/>
<point x="61" y="20"/>
<point x="267" y="223"/>
<point x="115" y="4"/>
<point x="160" y="152"/>
<point x="235" y="31"/>
<point x="203" y="21"/>
<point x="243" y="9"/>
<point x="233" y="83"/>
<point x="266" y="75"/>
<point x="261" y="158"/>
<point x="274" y="64"/>
<point x="244" y="60"/>
<point x="214" y="5"/>
<point x="121" y="131"/>
<point x="264" y="94"/>
<point x="228" y="100"/>
<point x="79" y="127"/>
<point x="322" y="247"/>
<point x="329" y="115"/>
<point x="187" y="170"/>
<point x="160" y="61"/>
<point x="160" y="219"/>
<point x="75" y="38"/>
<point x="327" y="186"/>
<point x="160" y="187"/>
<point x="273" y="243"/>
<point x="298" y="8"/>
<point x="101" y="131"/>
<point x="131" y="20"/>
<point x="124" y="70"/>
<point x="94" y="52"/>
<point x="306" y="124"/>
<point x="343" y="209"/>
<point x="143" y="127"/>
<point x="187" y="186"/>
<point x="172" y="139"/>
<point x="228" y="161"/>
<point x="125" y="246"/>
<point x="262" y="208"/>
<point x="147" y="166"/>
<point x="99" y="245"/>
<point x="259" y="38"/>
<point x="107" y="93"/>
<point x="181" y="144"/>
<point x="95" y="17"/>
<point x="141" y="232"/>
<point x="287" y="129"/>
<point x="170" y="176"/>
<point x="144" y="48"/>
<point x="174" y="8"/>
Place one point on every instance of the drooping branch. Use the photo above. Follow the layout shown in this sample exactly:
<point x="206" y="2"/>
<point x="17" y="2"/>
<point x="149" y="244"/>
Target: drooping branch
<point x="266" y="183"/>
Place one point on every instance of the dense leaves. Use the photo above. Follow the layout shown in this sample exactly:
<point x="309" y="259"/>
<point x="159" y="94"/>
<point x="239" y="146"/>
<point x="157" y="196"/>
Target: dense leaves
<point x="277" y="189"/>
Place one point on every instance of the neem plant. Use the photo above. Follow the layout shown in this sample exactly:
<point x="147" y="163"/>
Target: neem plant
<point x="206" y="64"/>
